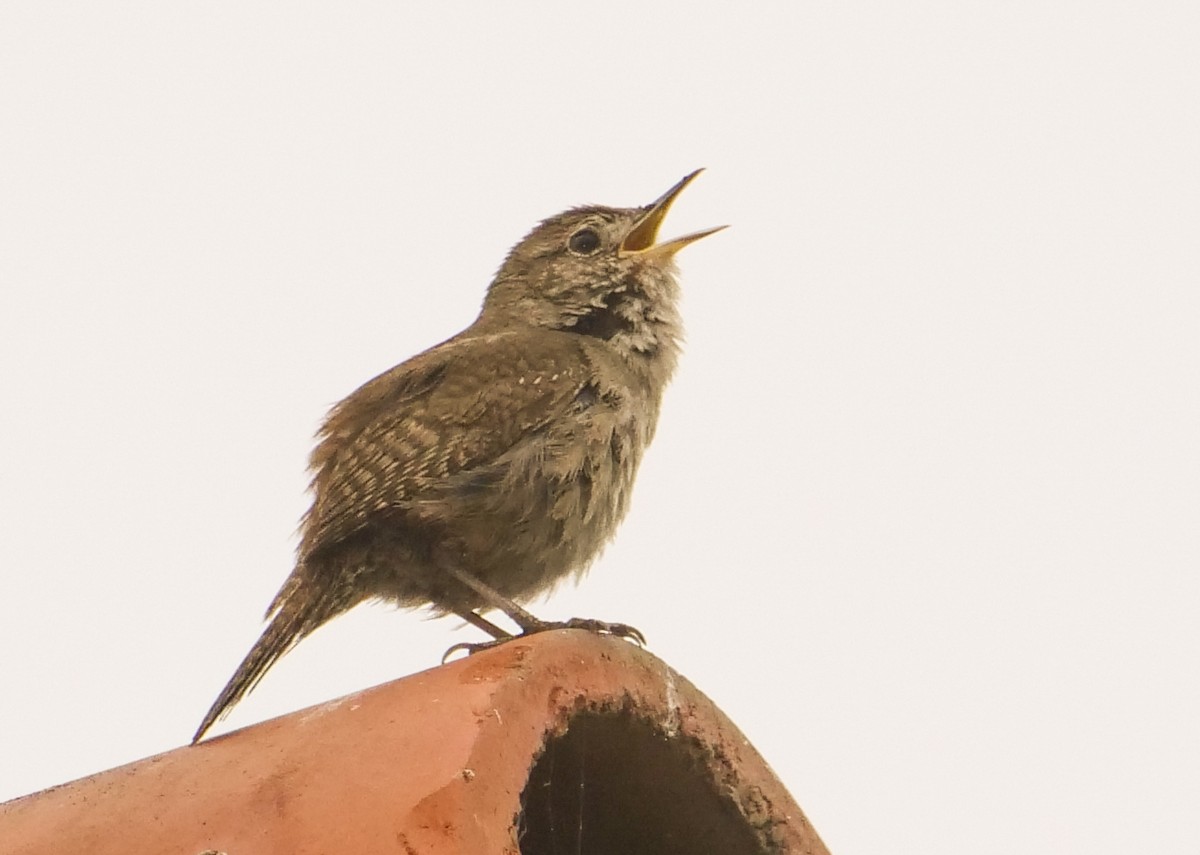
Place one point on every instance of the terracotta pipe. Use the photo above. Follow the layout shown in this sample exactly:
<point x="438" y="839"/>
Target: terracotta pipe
<point x="563" y="742"/>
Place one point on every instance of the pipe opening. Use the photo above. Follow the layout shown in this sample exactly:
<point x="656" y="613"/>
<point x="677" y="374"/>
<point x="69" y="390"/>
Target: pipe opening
<point x="613" y="782"/>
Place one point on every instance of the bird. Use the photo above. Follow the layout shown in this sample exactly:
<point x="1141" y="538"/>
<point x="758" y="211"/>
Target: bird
<point x="487" y="469"/>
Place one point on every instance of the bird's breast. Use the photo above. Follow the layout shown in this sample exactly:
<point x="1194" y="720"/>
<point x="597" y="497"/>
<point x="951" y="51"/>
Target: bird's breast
<point x="547" y="508"/>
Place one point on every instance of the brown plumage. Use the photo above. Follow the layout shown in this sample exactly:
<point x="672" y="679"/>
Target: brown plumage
<point x="486" y="469"/>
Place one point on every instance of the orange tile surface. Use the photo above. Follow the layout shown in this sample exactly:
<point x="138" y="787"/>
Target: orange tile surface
<point x="434" y="762"/>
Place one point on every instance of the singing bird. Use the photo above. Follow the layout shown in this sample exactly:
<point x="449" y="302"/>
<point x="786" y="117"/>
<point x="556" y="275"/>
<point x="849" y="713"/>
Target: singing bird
<point x="481" y="472"/>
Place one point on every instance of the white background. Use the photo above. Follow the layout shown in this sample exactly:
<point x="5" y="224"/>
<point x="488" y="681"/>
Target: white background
<point x="923" y="513"/>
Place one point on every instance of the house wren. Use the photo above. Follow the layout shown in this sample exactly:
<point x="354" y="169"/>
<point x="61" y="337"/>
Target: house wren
<point x="484" y="470"/>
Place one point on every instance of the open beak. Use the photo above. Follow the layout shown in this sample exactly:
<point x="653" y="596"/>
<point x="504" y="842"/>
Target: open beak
<point x="640" y="240"/>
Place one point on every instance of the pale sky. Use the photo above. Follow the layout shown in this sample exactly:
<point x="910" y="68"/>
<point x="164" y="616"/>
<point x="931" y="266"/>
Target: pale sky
<point x="923" y="512"/>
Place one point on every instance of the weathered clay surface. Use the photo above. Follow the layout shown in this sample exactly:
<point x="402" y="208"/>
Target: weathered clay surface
<point x="435" y="762"/>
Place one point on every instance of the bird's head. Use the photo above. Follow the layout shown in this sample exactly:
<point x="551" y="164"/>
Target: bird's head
<point x="597" y="271"/>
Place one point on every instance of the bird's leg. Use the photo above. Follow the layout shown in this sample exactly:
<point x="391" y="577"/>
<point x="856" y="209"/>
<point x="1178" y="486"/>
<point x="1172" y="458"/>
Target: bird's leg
<point x="477" y="620"/>
<point x="528" y="622"/>
<point x="499" y="636"/>
<point x="498" y="601"/>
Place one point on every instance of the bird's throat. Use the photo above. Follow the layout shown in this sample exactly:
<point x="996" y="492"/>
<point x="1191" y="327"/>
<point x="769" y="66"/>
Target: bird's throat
<point x="606" y="320"/>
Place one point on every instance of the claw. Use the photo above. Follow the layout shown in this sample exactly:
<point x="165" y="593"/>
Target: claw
<point x="603" y="627"/>
<point x="599" y="627"/>
<point x="472" y="649"/>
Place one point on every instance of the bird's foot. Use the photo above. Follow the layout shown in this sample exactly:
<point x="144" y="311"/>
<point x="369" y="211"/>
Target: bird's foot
<point x="472" y="649"/>
<point x="599" y="627"/>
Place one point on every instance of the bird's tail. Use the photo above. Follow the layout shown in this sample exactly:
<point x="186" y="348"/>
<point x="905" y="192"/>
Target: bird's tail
<point x="296" y="612"/>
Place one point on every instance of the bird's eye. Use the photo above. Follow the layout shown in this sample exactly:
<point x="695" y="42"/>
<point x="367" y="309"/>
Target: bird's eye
<point x="584" y="242"/>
